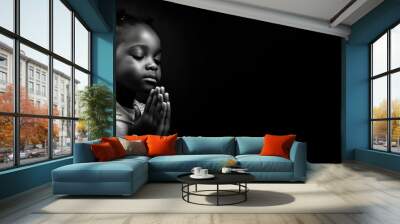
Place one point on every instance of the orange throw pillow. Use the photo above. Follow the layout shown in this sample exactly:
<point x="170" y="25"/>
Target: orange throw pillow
<point x="277" y="145"/>
<point x="116" y="145"/>
<point x="161" y="145"/>
<point x="136" y="137"/>
<point x="103" y="151"/>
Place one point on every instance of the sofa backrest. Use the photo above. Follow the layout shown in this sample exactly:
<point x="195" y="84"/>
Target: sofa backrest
<point x="206" y="145"/>
<point x="249" y="145"/>
<point x="83" y="152"/>
<point x="190" y="145"/>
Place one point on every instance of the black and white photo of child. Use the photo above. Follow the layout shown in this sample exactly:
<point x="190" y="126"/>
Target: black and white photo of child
<point x="142" y="106"/>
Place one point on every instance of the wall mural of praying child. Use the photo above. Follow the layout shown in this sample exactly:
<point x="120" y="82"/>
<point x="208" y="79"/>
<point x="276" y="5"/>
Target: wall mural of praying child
<point x="142" y="107"/>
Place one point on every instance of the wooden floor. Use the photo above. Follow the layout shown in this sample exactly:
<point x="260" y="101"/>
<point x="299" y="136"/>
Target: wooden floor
<point x="379" y="190"/>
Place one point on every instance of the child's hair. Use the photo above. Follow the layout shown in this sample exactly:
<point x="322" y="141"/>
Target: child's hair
<point x="124" y="19"/>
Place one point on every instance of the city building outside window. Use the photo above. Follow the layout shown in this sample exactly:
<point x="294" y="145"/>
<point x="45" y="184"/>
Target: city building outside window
<point x="55" y="95"/>
<point x="38" y="75"/>
<point x="30" y="72"/>
<point x="38" y="89"/>
<point x="3" y="78"/>
<point x="30" y="87"/>
<point x="3" y="72"/>
<point x="3" y="60"/>
<point x="43" y="77"/>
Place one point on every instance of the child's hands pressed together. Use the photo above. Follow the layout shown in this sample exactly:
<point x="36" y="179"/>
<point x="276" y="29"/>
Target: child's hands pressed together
<point x="164" y="112"/>
<point x="157" y="113"/>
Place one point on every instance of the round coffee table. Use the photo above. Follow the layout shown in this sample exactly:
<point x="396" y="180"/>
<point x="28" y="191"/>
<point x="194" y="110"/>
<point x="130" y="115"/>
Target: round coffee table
<point x="238" y="179"/>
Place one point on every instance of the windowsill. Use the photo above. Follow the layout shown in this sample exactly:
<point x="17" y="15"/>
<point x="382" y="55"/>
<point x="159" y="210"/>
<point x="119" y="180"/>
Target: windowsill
<point x="380" y="152"/>
<point x="382" y="159"/>
<point x="17" y="169"/>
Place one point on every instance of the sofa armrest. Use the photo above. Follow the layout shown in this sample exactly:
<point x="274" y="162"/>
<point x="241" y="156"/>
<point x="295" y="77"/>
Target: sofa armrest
<point x="83" y="152"/>
<point x="298" y="155"/>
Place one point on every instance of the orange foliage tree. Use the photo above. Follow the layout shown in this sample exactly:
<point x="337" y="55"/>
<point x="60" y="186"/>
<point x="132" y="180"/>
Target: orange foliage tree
<point x="33" y="131"/>
<point x="6" y="122"/>
<point x="380" y="128"/>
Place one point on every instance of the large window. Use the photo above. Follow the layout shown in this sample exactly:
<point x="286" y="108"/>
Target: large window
<point x="385" y="91"/>
<point x="44" y="64"/>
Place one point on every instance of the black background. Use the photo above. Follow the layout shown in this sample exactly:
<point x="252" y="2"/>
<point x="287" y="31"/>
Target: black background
<point x="232" y="76"/>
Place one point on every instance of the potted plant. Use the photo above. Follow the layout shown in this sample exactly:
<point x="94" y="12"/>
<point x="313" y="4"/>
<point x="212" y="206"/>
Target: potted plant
<point x="96" y="104"/>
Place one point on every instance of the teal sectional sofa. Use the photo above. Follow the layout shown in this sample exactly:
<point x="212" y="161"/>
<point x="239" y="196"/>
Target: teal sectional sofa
<point x="125" y="176"/>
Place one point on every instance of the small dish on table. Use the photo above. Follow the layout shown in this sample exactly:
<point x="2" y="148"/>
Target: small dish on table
<point x="207" y="176"/>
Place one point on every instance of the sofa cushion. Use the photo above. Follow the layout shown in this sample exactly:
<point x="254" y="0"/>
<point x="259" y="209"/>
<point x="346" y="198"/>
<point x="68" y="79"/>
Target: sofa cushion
<point x="118" y="177"/>
<point x="249" y="145"/>
<point x="277" y="145"/>
<point x="207" y="145"/>
<point x="257" y="163"/>
<point x="161" y="145"/>
<point x="103" y="152"/>
<point x="133" y="157"/>
<point x="185" y="163"/>
<point x="116" y="145"/>
<point x="134" y="147"/>
<point x="93" y="172"/>
<point x="111" y="171"/>
<point x="136" y="137"/>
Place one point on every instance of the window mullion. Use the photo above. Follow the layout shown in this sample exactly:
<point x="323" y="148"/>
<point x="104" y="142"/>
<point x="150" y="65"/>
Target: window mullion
<point x="389" y="106"/>
<point x="16" y="70"/>
<point x="89" y="57"/>
<point x="50" y="81"/>
<point x="371" y="89"/>
<point x="73" y="123"/>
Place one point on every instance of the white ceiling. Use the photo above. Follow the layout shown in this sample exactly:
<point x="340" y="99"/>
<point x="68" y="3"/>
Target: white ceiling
<point x="314" y="15"/>
<point x="319" y="9"/>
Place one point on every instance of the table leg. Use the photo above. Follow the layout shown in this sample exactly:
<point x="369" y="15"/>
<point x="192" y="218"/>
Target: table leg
<point x="217" y="194"/>
<point x="245" y="193"/>
<point x="196" y="187"/>
<point x="188" y="190"/>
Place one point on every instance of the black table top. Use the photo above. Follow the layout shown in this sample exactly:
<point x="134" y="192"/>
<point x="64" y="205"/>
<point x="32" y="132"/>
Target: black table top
<point x="220" y="178"/>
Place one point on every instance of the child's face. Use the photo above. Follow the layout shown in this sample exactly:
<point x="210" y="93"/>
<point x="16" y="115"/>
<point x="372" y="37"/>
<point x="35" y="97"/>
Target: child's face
<point x="138" y="58"/>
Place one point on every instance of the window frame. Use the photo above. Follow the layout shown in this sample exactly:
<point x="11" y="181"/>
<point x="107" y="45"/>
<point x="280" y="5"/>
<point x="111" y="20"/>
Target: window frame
<point x="388" y="74"/>
<point x="16" y="115"/>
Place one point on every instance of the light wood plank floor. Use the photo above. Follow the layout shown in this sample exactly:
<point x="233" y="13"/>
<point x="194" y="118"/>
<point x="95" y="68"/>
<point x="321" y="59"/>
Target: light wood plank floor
<point x="354" y="182"/>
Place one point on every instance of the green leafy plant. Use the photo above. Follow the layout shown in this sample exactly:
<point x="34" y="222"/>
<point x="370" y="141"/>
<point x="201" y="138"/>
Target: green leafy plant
<point x="96" y="103"/>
